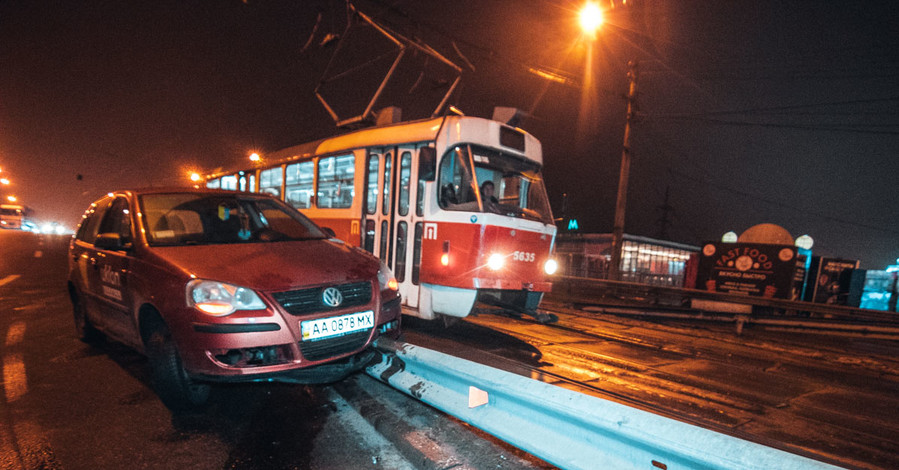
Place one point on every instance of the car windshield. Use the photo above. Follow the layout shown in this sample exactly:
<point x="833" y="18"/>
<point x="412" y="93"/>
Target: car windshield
<point x="498" y="183"/>
<point x="176" y="219"/>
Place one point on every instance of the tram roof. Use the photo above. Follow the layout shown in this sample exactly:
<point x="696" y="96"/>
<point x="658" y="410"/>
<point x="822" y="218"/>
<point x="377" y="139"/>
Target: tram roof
<point x="382" y="136"/>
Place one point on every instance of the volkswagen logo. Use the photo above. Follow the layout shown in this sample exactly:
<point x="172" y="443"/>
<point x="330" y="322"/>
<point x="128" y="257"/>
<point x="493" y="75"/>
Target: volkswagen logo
<point x="332" y="297"/>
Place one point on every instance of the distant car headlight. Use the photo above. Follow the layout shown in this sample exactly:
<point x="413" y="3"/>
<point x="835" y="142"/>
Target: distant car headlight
<point x="219" y="299"/>
<point x="386" y="279"/>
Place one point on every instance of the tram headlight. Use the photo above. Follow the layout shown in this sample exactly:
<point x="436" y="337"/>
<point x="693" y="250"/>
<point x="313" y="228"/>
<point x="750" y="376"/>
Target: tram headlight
<point x="550" y="267"/>
<point x="496" y="261"/>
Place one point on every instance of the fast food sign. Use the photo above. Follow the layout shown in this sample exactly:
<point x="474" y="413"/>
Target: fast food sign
<point x="755" y="269"/>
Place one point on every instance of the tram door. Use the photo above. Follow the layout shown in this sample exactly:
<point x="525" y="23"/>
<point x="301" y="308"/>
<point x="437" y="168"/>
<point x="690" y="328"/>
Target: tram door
<point x="393" y="210"/>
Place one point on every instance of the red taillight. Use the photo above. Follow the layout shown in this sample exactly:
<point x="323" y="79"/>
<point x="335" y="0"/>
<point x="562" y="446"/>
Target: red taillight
<point x="444" y="258"/>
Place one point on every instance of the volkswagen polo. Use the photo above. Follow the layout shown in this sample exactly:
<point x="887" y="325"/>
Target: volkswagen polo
<point x="217" y="286"/>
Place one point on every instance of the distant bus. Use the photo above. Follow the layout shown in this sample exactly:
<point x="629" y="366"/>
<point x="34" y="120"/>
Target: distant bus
<point x="13" y="216"/>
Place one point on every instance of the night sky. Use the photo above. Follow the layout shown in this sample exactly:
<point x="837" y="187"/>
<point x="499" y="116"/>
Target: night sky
<point x="783" y="112"/>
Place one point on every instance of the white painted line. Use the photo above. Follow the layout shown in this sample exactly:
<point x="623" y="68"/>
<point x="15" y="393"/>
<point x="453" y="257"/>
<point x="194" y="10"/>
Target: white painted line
<point x="6" y="280"/>
<point x="15" y="380"/>
<point x="15" y="334"/>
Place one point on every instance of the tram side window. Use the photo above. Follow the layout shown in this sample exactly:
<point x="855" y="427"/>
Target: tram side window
<point x="399" y="269"/>
<point x="299" y="178"/>
<point x="246" y="182"/>
<point x="335" y="181"/>
<point x="388" y="178"/>
<point x="405" y="180"/>
<point x="371" y="184"/>
<point x="456" y="191"/>
<point x="270" y="181"/>
<point x="214" y="184"/>
<point x="229" y="182"/>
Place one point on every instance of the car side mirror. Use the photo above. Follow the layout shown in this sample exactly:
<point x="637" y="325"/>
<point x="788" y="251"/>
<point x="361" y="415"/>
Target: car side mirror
<point x="427" y="163"/>
<point x="329" y="232"/>
<point x="110" y="241"/>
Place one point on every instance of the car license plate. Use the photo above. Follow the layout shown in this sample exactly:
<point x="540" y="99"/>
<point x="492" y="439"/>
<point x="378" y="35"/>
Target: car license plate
<point x="337" y="326"/>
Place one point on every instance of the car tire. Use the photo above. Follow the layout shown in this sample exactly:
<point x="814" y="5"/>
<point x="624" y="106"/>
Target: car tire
<point x="172" y="384"/>
<point x="84" y="329"/>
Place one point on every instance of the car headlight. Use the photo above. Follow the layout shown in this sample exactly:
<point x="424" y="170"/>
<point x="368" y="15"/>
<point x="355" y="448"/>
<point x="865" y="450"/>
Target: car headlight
<point x="219" y="299"/>
<point x="386" y="279"/>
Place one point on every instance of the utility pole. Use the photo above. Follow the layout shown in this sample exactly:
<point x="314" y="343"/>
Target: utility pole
<point x="620" y="205"/>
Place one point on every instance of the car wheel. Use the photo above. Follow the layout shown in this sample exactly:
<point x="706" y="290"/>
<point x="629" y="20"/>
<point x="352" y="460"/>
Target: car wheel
<point x="171" y="382"/>
<point x="84" y="329"/>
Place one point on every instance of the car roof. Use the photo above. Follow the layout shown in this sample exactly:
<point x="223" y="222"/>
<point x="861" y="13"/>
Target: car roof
<point x="186" y="190"/>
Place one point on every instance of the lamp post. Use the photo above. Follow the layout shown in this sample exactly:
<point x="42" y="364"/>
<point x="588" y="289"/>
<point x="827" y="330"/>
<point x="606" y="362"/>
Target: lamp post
<point x="591" y="19"/>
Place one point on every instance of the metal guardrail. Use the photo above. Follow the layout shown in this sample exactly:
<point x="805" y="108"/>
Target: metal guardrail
<point x="563" y="427"/>
<point x="587" y="290"/>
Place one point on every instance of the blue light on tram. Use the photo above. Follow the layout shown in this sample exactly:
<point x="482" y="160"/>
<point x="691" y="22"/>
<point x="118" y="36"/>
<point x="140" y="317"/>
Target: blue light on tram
<point x="572" y="224"/>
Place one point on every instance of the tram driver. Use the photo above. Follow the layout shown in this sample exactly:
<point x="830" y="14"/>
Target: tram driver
<point x="491" y="204"/>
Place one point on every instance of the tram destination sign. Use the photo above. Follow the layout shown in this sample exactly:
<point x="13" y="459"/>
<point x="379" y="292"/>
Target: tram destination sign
<point x="755" y="269"/>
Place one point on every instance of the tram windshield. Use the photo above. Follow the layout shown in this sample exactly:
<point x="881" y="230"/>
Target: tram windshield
<point x="477" y="179"/>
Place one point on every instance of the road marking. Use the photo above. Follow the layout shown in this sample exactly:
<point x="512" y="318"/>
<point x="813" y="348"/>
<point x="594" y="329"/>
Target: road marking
<point x="15" y="380"/>
<point x="6" y="280"/>
<point x="15" y="334"/>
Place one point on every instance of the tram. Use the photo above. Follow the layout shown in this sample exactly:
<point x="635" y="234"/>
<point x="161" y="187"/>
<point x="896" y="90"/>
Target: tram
<point x="411" y="194"/>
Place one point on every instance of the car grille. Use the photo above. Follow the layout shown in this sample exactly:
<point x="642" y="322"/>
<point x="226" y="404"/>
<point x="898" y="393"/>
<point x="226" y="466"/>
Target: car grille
<point x="303" y="301"/>
<point x="330" y="347"/>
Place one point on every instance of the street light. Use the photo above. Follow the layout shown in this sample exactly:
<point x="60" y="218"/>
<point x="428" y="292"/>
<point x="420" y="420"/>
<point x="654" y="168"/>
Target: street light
<point x="11" y="198"/>
<point x="4" y="180"/>
<point x="590" y="18"/>
<point x="254" y="157"/>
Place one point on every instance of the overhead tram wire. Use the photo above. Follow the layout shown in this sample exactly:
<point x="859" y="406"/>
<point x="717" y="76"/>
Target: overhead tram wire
<point x="487" y="52"/>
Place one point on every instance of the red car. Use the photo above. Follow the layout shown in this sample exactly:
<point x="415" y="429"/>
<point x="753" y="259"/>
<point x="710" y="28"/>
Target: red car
<point x="226" y="286"/>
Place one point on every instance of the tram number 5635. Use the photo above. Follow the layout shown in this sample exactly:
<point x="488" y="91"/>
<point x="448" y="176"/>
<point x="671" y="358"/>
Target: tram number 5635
<point x="523" y="256"/>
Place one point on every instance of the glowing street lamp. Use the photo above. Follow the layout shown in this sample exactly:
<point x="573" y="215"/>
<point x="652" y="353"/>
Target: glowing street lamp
<point x="4" y="180"/>
<point x="195" y="177"/>
<point x="590" y="18"/>
<point x="254" y="157"/>
<point x="11" y="198"/>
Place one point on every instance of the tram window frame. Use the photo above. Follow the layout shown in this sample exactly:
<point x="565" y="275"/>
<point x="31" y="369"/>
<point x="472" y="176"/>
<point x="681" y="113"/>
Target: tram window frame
<point x="335" y="181"/>
<point x="271" y="180"/>
<point x="455" y="171"/>
<point x="385" y="242"/>
<point x="299" y="178"/>
<point x="371" y="183"/>
<point x="399" y="267"/>
<point x="369" y="242"/>
<point x="416" y="255"/>
<point x="386" y="187"/>
<point x="405" y="177"/>
<point x="229" y="183"/>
